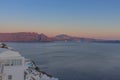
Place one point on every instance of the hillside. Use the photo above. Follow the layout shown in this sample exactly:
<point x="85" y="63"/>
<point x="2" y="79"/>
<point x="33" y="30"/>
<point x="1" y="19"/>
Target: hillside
<point x="35" y="37"/>
<point x="23" y="37"/>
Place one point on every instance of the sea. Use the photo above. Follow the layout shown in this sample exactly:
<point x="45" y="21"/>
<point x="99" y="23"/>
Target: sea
<point x="74" y="60"/>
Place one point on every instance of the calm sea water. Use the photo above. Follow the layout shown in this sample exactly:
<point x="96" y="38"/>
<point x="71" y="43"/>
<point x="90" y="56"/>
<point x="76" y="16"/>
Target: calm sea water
<point x="74" y="60"/>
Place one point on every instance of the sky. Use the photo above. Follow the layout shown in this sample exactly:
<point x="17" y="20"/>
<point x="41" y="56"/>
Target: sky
<point x="84" y="18"/>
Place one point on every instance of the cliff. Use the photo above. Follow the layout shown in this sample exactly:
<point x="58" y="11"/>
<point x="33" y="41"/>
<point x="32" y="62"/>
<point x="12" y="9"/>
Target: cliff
<point x="23" y="37"/>
<point x="35" y="37"/>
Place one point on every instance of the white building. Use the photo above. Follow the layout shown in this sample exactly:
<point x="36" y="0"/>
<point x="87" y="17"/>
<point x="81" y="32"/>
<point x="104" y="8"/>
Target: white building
<point x="15" y="67"/>
<point x="12" y="65"/>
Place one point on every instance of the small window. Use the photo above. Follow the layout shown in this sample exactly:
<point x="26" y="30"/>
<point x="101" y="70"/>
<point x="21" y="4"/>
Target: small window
<point x="9" y="77"/>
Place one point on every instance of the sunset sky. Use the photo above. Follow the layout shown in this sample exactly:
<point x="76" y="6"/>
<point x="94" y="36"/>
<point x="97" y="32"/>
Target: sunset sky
<point x="85" y="18"/>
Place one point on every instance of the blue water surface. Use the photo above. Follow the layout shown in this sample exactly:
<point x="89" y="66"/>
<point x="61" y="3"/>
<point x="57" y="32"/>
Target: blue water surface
<point x="74" y="60"/>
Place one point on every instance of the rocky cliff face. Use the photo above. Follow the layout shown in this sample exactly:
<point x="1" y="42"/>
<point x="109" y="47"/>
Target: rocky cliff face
<point x="43" y="38"/>
<point x="18" y="36"/>
<point x="23" y="37"/>
<point x="35" y="37"/>
<point x="64" y="37"/>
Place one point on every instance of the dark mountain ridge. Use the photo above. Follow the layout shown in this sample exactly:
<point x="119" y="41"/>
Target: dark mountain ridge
<point x="35" y="37"/>
<point x="23" y="37"/>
